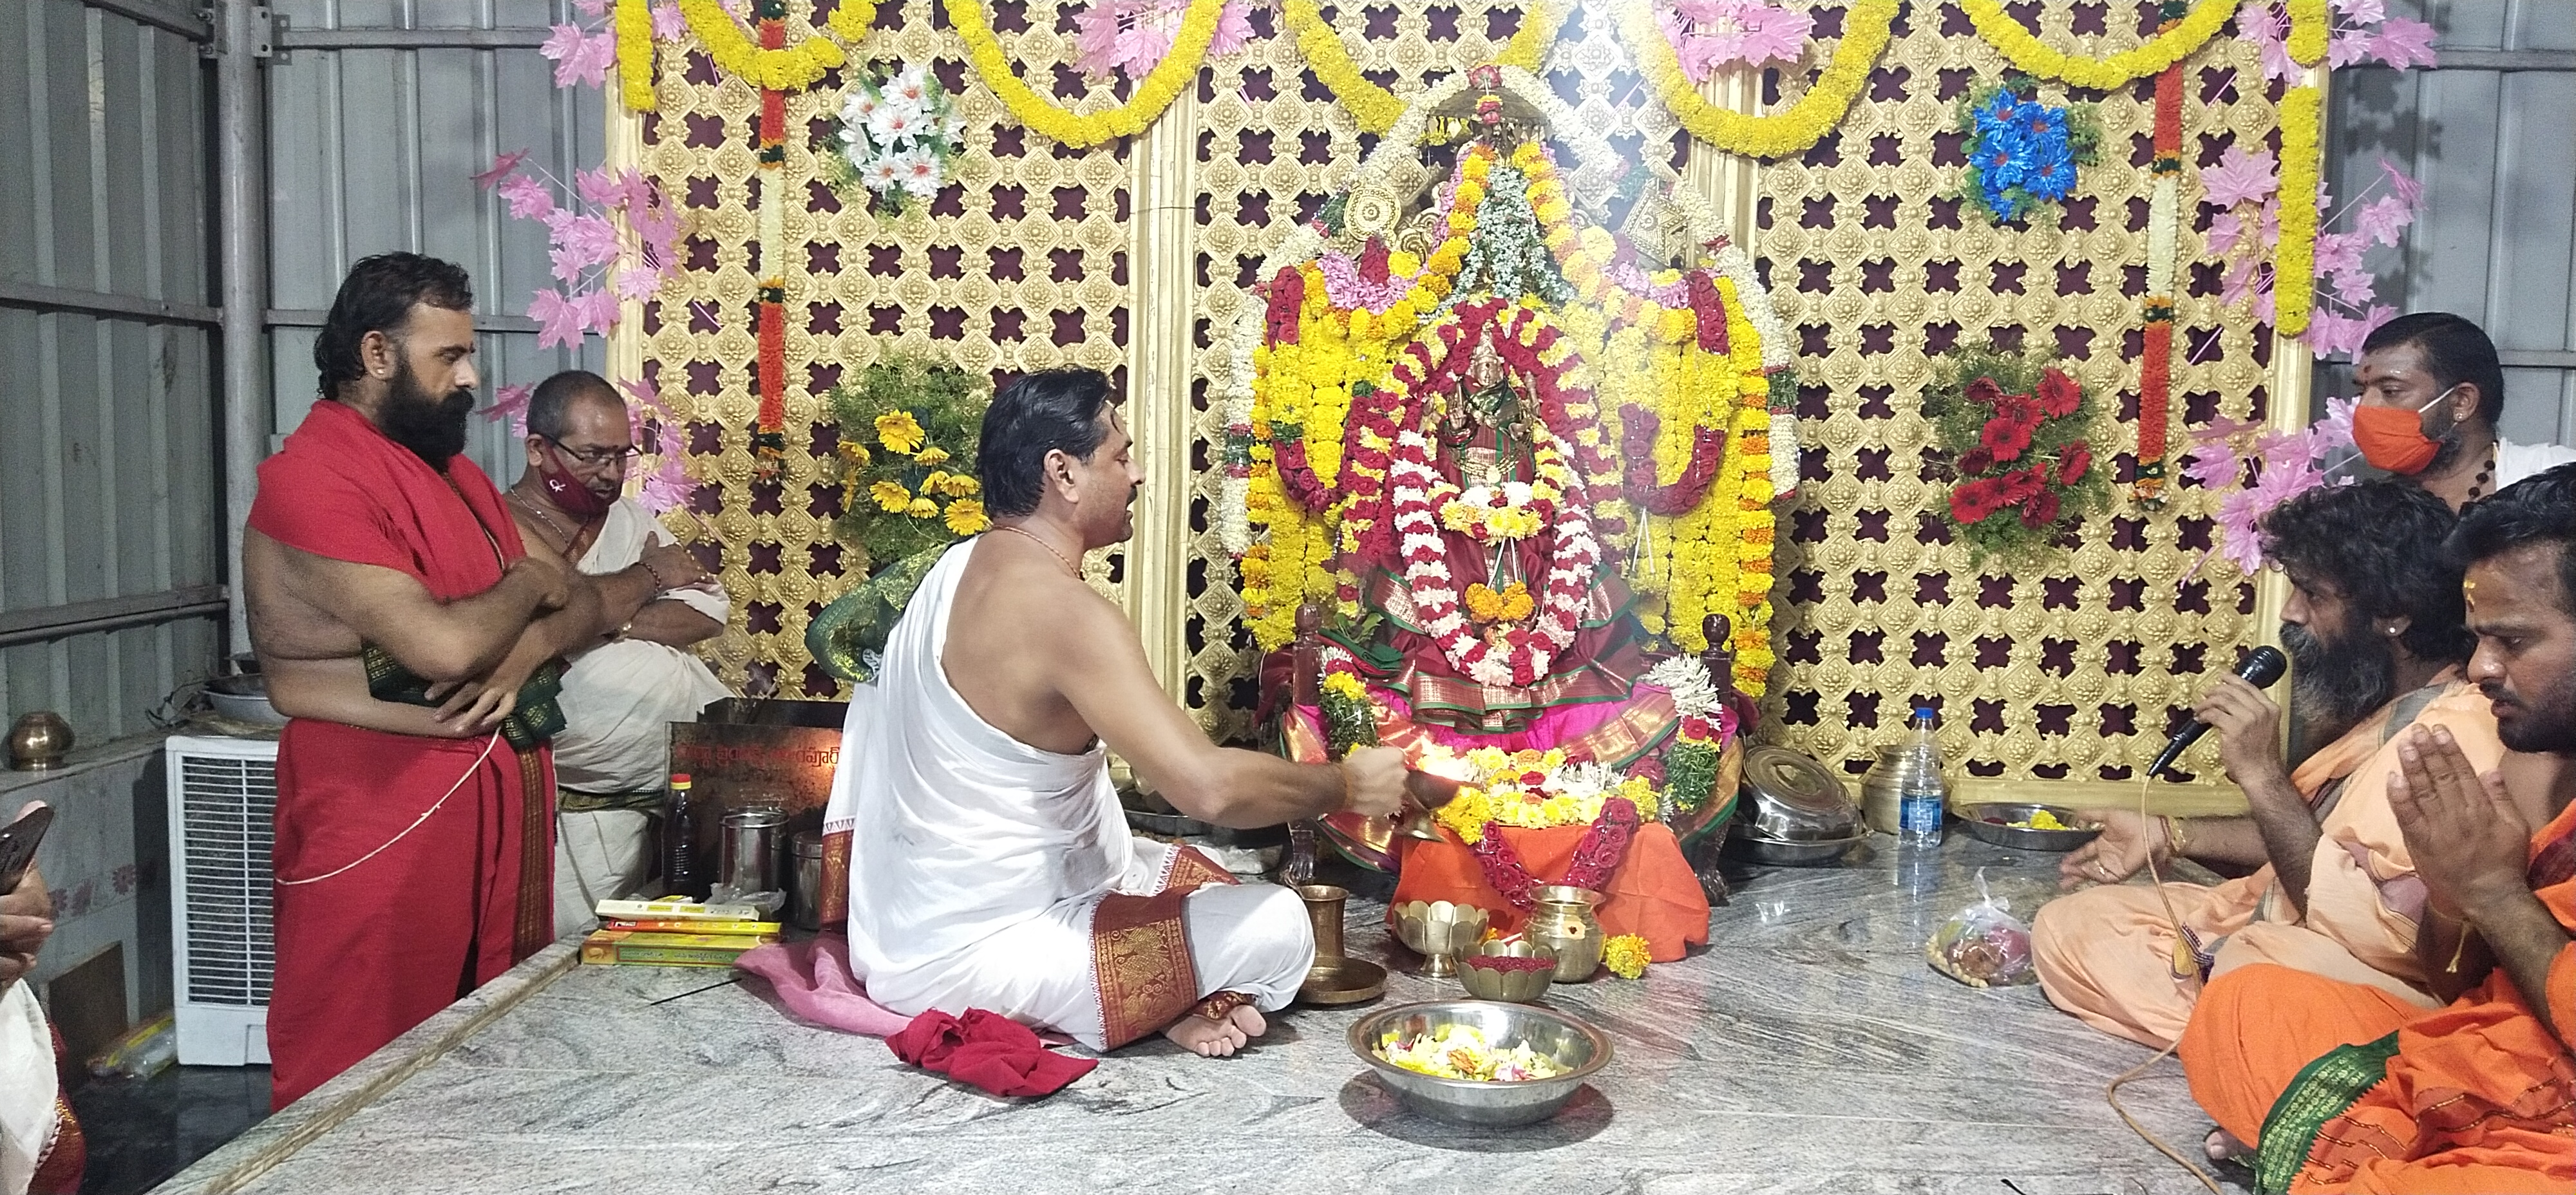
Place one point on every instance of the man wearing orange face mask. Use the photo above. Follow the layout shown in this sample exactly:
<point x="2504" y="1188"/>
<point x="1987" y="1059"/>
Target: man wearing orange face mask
<point x="2432" y="392"/>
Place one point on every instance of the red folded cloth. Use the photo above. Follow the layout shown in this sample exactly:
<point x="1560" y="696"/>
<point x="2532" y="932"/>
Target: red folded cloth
<point x="988" y="1050"/>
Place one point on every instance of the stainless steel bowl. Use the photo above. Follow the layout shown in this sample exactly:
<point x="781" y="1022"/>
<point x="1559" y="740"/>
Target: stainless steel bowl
<point x="243" y="699"/>
<point x="1792" y="798"/>
<point x="1511" y="987"/>
<point x="1991" y="822"/>
<point x="1792" y="854"/>
<point x="1582" y="1049"/>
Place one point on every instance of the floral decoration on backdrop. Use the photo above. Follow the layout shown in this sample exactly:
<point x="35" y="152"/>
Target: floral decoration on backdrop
<point x="908" y="435"/>
<point x="1131" y="37"/>
<point x="898" y="140"/>
<point x="2022" y="154"/>
<point x="2019" y="436"/>
<point x="2245" y="188"/>
<point x="2258" y="469"/>
<point x="1708" y="34"/>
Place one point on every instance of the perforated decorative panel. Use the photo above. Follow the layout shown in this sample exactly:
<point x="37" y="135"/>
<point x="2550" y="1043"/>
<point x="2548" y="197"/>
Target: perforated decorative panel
<point x="2068" y="670"/>
<point x="2076" y="668"/>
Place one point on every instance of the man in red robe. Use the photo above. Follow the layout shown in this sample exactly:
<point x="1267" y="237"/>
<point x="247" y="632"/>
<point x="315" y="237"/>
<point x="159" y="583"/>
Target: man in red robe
<point x="411" y="638"/>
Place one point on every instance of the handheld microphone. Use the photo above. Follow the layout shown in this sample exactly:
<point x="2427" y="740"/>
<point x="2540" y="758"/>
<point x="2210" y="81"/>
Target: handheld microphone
<point x="2261" y="668"/>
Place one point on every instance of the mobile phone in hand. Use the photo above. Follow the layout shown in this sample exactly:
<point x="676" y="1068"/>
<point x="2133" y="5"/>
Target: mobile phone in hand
<point x="18" y="843"/>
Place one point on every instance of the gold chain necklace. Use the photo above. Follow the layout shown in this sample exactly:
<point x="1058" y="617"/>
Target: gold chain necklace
<point x="539" y="509"/>
<point x="1050" y="549"/>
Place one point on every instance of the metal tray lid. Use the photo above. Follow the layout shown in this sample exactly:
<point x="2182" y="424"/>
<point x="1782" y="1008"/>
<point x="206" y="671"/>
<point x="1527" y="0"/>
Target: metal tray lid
<point x="1787" y="779"/>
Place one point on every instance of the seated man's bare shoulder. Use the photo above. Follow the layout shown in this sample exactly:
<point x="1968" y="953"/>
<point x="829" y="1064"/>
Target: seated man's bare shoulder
<point x="1019" y="625"/>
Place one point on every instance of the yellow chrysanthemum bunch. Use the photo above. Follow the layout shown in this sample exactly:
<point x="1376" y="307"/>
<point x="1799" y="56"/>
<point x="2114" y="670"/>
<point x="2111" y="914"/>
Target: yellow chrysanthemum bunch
<point x="1511" y="605"/>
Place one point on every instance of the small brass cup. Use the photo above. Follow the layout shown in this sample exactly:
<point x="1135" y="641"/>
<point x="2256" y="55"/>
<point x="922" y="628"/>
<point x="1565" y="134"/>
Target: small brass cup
<point x="1439" y="931"/>
<point x="1516" y="987"/>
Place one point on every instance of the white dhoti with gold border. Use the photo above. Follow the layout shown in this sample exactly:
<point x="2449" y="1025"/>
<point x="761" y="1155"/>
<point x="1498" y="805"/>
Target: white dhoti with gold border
<point x="986" y="873"/>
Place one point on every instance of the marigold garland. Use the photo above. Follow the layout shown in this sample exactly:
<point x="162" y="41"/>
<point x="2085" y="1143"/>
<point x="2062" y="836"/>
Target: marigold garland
<point x="2294" y="261"/>
<point x="634" y="20"/>
<point x="787" y="68"/>
<point x="1154" y="93"/>
<point x="2309" y="22"/>
<point x="1376" y="109"/>
<point x="1866" y="31"/>
<point x="2025" y="51"/>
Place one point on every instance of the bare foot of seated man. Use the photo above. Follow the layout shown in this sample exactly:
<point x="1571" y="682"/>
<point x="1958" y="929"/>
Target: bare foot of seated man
<point x="1054" y="672"/>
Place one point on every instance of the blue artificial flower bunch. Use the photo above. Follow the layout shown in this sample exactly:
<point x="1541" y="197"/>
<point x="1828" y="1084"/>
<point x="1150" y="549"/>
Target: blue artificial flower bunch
<point x="2022" y="153"/>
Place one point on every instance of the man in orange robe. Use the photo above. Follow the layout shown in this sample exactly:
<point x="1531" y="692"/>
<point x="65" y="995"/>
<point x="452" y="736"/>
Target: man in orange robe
<point x="2374" y="621"/>
<point x="2344" y="1088"/>
<point x="409" y="636"/>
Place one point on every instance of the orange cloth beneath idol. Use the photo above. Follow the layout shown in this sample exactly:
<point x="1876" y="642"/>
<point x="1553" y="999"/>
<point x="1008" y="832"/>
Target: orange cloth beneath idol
<point x="386" y="912"/>
<point x="2105" y="954"/>
<point x="2480" y="1096"/>
<point x="1652" y="894"/>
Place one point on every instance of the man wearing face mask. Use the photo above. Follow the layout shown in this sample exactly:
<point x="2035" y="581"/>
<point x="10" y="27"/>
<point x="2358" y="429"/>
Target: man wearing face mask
<point x="2431" y="395"/>
<point x="621" y="694"/>
<point x="410" y="635"/>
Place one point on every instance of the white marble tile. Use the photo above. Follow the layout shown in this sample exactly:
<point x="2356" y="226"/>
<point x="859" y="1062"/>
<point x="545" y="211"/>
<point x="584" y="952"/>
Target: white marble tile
<point x="1809" y="1049"/>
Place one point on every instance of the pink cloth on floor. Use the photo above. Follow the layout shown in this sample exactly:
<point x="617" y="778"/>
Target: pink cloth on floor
<point x="813" y="980"/>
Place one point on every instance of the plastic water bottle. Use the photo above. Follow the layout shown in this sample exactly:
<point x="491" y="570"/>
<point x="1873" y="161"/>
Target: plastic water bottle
<point x="1925" y="798"/>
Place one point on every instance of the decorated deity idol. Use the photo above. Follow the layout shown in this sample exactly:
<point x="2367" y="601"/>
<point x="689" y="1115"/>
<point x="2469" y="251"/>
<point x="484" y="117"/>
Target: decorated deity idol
<point x="1513" y="468"/>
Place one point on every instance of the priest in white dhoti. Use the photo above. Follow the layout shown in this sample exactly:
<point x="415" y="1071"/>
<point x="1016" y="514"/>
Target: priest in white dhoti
<point x="990" y="864"/>
<point x="621" y="696"/>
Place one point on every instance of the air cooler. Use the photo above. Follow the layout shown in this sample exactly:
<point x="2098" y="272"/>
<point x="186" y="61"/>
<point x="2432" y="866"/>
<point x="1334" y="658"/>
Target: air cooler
<point x="223" y="794"/>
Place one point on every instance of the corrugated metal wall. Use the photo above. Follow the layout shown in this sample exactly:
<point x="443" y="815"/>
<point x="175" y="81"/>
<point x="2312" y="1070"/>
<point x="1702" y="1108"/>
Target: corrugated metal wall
<point x="110" y="503"/>
<point x="2489" y="135"/>
<point x="373" y="149"/>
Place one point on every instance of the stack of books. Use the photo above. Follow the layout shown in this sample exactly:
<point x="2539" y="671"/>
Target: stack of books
<point x="674" y="933"/>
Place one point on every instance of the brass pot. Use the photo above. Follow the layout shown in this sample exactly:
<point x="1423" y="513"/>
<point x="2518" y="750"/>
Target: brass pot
<point x="1561" y="919"/>
<point x="39" y="742"/>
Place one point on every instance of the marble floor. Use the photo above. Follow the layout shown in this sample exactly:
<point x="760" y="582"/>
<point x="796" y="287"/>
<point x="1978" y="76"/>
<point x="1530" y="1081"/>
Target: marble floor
<point x="1810" y="1049"/>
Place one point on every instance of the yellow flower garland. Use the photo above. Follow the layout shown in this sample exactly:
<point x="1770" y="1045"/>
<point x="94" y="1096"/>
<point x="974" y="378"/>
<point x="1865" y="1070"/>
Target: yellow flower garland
<point x="1865" y="35"/>
<point x="635" y="54"/>
<point x="1376" y="109"/>
<point x="2294" y="261"/>
<point x="2309" y="23"/>
<point x="1749" y="525"/>
<point x="1156" y="92"/>
<point x="2024" y="50"/>
<point x="793" y="68"/>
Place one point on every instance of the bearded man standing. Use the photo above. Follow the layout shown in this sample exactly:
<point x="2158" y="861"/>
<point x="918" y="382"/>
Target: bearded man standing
<point x="2374" y="626"/>
<point x="409" y="635"/>
<point x="990" y="863"/>
<point x="2341" y="1087"/>
<point x="2432" y="391"/>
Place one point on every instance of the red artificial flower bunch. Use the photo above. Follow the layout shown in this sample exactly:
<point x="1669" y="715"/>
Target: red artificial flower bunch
<point x="2018" y="432"/>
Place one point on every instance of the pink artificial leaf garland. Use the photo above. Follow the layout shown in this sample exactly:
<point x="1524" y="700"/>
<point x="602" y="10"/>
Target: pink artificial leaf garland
<point x="2241" y="177"/>
<point x="528" y="198"/>
<point x="503" y="165"/>
<point x="509" y="401"/>
<point x="558" y="321"/>
<point x="2404" y="44"/>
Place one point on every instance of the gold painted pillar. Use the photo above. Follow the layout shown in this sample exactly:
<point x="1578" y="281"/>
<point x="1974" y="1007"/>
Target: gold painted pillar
<point x="1162" y="300"/>
<point x="1731" y="183"/>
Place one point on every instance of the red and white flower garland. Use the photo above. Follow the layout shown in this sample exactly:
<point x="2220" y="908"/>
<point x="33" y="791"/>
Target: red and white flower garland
<point x="1573" y="557"/>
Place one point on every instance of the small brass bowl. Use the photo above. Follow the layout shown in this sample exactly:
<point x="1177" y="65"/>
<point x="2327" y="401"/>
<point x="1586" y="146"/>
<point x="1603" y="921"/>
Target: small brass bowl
<point x="1513" y="987"/>
<point x="1438" y="931"/>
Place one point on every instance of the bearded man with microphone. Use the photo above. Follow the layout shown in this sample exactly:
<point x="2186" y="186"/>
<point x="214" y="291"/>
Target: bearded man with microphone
<point x="2376" y="628"/>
